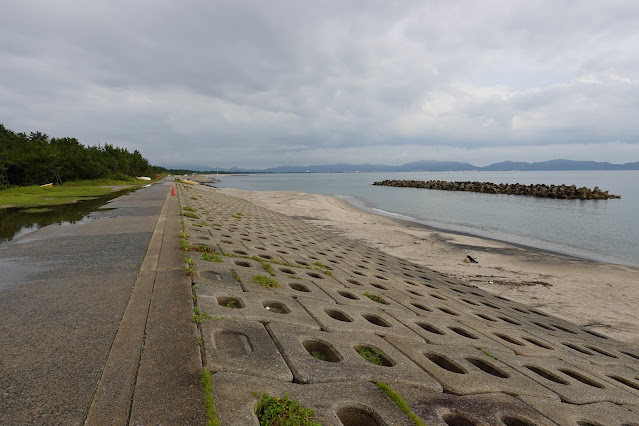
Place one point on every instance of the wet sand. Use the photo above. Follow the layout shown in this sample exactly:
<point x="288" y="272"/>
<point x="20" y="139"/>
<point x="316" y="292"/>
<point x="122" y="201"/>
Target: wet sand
<point x="600" y="296"/>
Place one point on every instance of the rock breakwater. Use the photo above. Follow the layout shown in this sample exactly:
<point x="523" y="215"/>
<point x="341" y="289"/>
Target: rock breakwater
<point x="565" y="192"/>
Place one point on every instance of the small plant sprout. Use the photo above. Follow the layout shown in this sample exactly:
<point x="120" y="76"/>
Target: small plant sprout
<point x="188" y="260"/>
<point x="319" y="355"/>
<point x="191" y="215"/>
<point x="320" y="264"/>
<point x="212" y="257"/>
<point x="265" y="281"/>
<point x="371" y="355"/>
<point x="376" y="298"/>
<point x="283" y="411"/>
<point x="200" y="316"/>
<point x="190" y="209"/>
<point x="232" y="304"/>
<point x="190" y="270"/>
<point x="184" y="235"/>
<point x="185" y="245"/>
<point x="236" y="276"/>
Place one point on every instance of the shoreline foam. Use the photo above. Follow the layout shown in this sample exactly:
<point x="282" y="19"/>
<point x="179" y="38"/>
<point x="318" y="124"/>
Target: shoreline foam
<point x="600" y="296"/>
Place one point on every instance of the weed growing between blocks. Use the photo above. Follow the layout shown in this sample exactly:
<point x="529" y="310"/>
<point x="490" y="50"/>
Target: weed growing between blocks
<point x="283" y="411"/>
<point x="399" y="401"/>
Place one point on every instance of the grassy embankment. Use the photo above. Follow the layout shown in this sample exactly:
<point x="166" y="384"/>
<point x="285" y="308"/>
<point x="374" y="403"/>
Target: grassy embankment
<point x="30" y="196"/>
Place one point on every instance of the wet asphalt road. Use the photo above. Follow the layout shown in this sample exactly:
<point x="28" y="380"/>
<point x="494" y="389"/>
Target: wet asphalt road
<point x="63" y="291"/>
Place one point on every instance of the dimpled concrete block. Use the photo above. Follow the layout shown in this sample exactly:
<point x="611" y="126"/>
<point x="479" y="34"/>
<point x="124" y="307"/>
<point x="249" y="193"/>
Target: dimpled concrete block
<point x="334" y="318"/>
<point x="519" y="341"/>
<point x="355" y="297"/>
<point x="446" y="331"/>
<point x="211" y="275"/>
<point x="569" y="382"/>
<point x="243" y="347"/>
<point x="255" y="307"/>
<point x="303" y="349"/>
<point x="428" y="307"/>
<point x="593" y="351"/>
<point x="618" y="375"/>
<point x="350" y="403"/>
<point x="465" y="371"/>
<point x="600" y="413"/>
<point x="492" y="409"/>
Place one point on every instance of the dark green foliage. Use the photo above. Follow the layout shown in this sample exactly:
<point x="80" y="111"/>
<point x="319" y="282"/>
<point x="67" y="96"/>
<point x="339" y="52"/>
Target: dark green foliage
<point x="36" y="159"/>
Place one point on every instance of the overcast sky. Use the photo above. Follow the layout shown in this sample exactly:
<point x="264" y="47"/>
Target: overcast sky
<point x="267" y="83"/>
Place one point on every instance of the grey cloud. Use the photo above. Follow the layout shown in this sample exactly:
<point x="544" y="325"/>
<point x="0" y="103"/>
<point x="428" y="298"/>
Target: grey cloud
<point x="227" y="82"/>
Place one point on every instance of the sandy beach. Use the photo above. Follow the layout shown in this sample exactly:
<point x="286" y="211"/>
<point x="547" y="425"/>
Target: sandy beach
<point x="603" y="297"/>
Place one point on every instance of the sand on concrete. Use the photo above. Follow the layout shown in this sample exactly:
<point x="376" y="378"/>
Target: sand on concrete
<point x="603" y="297"/>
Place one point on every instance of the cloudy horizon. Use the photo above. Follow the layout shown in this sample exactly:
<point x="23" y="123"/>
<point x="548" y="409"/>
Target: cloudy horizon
<point x="256" y="84"/>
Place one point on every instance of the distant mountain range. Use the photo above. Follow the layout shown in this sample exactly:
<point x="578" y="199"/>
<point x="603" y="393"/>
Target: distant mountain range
<point x="440" y="166"/>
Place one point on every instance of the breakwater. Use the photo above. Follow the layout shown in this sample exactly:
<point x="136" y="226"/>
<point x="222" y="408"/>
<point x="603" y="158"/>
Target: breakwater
<point x="565" y="192"/>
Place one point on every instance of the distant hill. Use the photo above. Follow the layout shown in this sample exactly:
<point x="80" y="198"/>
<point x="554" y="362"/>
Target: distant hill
<point x="560" y="165"/>
<point x="439" y="166"/>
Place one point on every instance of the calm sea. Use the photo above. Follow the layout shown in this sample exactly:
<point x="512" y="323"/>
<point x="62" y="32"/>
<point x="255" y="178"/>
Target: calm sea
<point x="604" y="230"/>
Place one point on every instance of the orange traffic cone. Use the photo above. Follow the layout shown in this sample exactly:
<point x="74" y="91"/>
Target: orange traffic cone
<point x="173" y="190"/>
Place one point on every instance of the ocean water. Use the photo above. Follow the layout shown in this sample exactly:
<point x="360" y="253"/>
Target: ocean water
<point x="603" y="230"/>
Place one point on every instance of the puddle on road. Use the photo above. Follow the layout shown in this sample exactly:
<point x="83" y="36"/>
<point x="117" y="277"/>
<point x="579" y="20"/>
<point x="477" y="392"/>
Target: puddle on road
<point x="18" y="221"/>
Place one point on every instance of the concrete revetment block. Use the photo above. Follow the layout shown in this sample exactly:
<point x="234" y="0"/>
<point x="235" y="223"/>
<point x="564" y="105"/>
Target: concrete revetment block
<point x="243" y="347"/>
<point x="485" y="409"/>
<point x="466" y="370"/>
<point x="319" y="356"/>
<point x="350" y="403"/>
<point x="572" y="384"/>
<point x="260" y="307"/>
<point x="334" y="318"/>
<point x="600" y="413"/>
<point x="447" y="331"/>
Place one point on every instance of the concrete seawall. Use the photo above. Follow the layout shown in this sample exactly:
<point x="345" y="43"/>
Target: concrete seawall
<point x="455" y="353"/>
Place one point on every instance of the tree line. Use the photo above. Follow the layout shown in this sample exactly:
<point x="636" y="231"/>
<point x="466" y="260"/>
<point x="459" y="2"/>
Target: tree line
<point x="36" y="159"/>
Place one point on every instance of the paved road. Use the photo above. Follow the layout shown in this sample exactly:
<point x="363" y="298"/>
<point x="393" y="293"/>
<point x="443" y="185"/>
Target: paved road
<point x="63" y="293"/>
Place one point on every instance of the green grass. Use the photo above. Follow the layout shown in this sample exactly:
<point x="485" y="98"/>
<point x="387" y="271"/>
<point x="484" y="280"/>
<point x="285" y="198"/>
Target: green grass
<point x="189" y="209"/>
<point x="399" y="401"/>
<point x="209" y="401"/>
<point x="490" y="355"/>
<point x="236" y="276"/>
<point x="185" y="244"/>
<point x="30" y="196"/>
<point x="319" y="355"/>
<point x="371" y="355"/>
<point x="200" y="316"/>
<point x="265" y="281"/>
<point x="232" y="304"/>
<point x="320" y="264"/>
<point x="376" y="298"/>
<point x="189" y="261"/>
<point x="190" y="270"/>
<point x="212" y="257"/>
<point x="191" y="215"/>
<point x="268" y="268"/>
<point x="202" y="248"/>
<point x="283" y="412"/>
